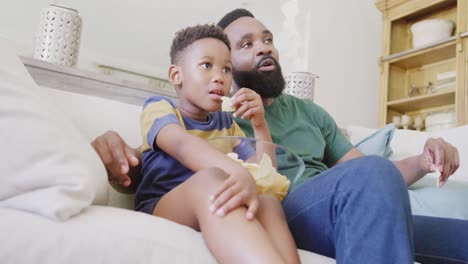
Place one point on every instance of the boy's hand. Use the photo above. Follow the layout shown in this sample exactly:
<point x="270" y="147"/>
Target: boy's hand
<point x="237" y="190"/>
<point x="117" y="156"/>
<point x="249" y="106"/>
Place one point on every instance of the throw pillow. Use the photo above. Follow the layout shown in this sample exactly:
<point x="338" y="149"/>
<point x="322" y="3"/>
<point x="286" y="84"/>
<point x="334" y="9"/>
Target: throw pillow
<point x="48" y="168"/>
<point x="377" y="143"/>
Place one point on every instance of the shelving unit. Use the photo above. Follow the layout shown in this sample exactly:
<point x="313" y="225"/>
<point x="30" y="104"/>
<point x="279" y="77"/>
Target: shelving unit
<point x="403" y="67"/>
<point x="422" y="102"/>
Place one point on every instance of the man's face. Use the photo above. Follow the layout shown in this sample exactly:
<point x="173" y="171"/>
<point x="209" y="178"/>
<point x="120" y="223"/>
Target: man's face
<point x="254" y="57"/>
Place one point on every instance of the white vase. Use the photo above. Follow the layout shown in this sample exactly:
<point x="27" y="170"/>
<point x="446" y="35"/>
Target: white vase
<point x="418" y="123"/>
<point x="396" y="120"/>
<point x="300" y="84"/>
<point x="58" y="37"/>
<point x="406" y="121"/>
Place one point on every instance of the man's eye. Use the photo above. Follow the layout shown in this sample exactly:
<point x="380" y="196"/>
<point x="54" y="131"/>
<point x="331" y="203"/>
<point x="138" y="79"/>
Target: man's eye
<point x="206" y="65"/>
<point x="269" y="40"/>
<point x="246" y="45"/>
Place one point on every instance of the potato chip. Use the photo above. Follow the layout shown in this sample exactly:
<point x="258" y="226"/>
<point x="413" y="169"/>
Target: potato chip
<point x="439" y="179"/>
<point x="226" y="105"/>
<point x="267" y="179"/>
<point x="233" y="156"/>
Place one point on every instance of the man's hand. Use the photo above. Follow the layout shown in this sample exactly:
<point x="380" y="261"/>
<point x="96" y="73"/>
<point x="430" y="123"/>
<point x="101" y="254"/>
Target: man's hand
<point x="237" y="190"/>
<point x="118" y="158"/>
<point x="438" y="155"/>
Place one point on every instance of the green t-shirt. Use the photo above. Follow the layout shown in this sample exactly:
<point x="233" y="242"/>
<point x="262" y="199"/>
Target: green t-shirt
<point x="306" y="129"/>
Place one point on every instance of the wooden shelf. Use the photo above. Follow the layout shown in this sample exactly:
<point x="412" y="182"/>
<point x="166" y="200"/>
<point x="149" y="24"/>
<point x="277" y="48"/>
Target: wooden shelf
<point x="435" y="52"/>
<point x="403" y="67"/>
<point x="79" y="81"/>
<point x="423" y="101"/>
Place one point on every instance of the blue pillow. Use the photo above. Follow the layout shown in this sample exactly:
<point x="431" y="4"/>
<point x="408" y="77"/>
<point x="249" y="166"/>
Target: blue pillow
<point x="378" y="143"/>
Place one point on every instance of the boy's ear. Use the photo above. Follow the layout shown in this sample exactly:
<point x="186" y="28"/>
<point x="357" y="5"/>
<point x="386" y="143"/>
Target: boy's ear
<point x="175" y="75"/>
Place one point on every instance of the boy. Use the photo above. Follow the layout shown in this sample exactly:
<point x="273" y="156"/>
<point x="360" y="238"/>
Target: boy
<point x="180" y="169"/>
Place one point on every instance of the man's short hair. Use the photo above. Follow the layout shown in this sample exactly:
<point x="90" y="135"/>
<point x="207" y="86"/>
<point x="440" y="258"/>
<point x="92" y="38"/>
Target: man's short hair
<point x="232" y="16"/>
<point x="189" y="35"/>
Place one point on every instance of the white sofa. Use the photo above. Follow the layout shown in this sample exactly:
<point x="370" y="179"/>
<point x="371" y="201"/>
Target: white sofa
<point x="425" y="197"/>
<point x="110" y="232"/>
<point x="51" y="215"/>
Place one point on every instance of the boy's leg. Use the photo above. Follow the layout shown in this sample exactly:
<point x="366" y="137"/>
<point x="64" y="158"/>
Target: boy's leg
<point x="271" y="216"/>
<point x="356" y="212"/>
<point x="440" y="240"/>
<point x="231" y="238"/>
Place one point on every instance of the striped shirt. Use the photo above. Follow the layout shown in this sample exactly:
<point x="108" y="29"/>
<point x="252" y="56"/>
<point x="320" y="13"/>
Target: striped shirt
<point x="161" y="172"/>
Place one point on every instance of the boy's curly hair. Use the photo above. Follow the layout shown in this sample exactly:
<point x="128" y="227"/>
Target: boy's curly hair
<point x="232" y="16"/>
<point x="187" y="36"/>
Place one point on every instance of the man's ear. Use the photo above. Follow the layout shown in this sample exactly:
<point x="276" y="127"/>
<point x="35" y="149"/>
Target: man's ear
<point x="175" y="75"/>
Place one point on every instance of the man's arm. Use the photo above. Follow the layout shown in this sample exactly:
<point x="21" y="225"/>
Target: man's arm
<point x="409" y="168"/>
<point x="121" y="161"/>
<point x="351" y="154"/>
<point x="438" y="155"/>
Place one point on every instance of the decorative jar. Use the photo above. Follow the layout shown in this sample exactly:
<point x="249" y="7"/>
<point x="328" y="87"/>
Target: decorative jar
<point x="300" y="84"/>
<point x="58" y="36"/>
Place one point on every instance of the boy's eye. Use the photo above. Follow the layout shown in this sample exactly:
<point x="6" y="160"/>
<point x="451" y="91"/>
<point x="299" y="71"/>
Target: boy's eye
<point x="227" y="70"/>
<point x="206" y="65"/>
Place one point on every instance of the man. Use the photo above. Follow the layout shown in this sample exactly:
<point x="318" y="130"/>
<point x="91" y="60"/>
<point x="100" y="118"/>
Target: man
<point x="346" y="206"/>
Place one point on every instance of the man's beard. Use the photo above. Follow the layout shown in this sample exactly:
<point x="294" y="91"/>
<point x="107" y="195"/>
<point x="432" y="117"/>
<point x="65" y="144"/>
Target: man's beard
<point x="266" y="84"/>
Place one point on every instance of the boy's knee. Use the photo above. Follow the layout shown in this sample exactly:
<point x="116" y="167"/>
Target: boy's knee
<point x="270" y="203"/>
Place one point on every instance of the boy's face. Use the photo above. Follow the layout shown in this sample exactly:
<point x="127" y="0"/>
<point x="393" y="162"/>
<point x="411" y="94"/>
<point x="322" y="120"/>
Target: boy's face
<point x="205" y="71"/>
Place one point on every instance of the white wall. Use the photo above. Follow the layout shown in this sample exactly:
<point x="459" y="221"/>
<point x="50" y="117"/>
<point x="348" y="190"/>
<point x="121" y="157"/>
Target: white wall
<point x="344" y="49"/>
<point x="340" y="41"/>
<point x="337" y="40"/>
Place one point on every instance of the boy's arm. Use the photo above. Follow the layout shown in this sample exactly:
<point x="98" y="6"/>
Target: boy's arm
<point x="196" y="154"/>
<point x="193" y="152"/>
<point x="250" y="106"/>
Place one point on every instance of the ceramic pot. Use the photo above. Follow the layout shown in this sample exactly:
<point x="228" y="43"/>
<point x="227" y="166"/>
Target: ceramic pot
<point x="300" y="84"/>
<point x="58" y="37"/>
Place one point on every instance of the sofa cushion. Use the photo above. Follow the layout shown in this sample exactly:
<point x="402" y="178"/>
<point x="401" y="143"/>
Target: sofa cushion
<point x="407" y="143"/>
<point x="425" y="197"/>
<point x="114" y="115"/>
<point x="50" y="169"/>
<point x="106" y="235"/>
